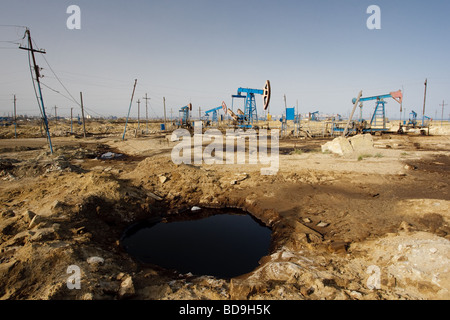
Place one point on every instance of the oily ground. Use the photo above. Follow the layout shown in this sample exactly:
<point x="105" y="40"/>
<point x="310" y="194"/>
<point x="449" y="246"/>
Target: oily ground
<point x="372" y="224"/>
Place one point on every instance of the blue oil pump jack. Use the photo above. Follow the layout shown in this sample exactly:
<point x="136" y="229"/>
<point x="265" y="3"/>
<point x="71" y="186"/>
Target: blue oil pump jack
<point x="379" y="115"/>
<point x="183" y="120"/>
<point x="250" y="112"/>
<point x="214" y="113"/>
<point x="314" y="116"/>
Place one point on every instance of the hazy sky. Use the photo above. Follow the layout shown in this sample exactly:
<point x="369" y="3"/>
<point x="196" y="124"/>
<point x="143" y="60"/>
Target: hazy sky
<point x="320" y="53"/>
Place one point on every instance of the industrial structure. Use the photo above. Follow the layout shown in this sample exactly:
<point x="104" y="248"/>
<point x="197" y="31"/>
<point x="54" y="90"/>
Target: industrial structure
<point x="378" y="119"/>
<point x="183" y="121"/>
<point x="247" y="118"/>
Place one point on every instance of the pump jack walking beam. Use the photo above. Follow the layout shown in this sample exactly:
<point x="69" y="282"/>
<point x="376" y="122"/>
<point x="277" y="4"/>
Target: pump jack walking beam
<point x="351" y="115"/>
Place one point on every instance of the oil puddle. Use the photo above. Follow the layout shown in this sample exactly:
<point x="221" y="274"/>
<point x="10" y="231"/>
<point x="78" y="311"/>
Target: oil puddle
<point x="222" y="245"/>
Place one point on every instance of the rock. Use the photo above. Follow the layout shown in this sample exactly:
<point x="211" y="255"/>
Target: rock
<point x="126" y="288"/>
<point x="356" y="294"/>
<point x="410" y="167"/>
<point x="305" y="291"/>
<point x="96" y="261"/>
<point x="243" y="289"/>
<point x="306" y="220"/>
<point x="57" y="205"/>
<point x="339" y="145"/>
<point x="120" y="276"/>
<point x="44" y="234"/>
<point x="405" y="226"/>
<point x="361" y="142"/>
<point x="195" y="208"/>
<point x="323" y="224"/>
<point x="433" y="250"/>
<point x="162" y="179"/>
<point x="338" y="247"/>
<point x="154" y="196"/>
<point x="8" y="214"/>
<point x="35" y="221"/>
<point x="28" y="215"/>
<point x="87" y="296"/>
<point x="110" y="155"/>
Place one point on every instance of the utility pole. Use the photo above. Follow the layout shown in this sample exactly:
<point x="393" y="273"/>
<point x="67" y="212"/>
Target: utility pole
<point x="129" y="109"/>
<point x="424" y="101"/>
<point x="15" y="118"/>
<point x="199" y="113"/>
<point x="56" y="118"/>
<point x="442" y="105"/>
<point x="165" y="120"/>
<point x="37" y="74"/>
<point x="82" y="114"/>
<point x="146" y="110"/>
<point x="139" y="124"/>
<point x="71" y="120"/>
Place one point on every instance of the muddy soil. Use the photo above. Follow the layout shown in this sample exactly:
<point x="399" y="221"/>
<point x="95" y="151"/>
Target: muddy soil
<point x="369" y="225"/>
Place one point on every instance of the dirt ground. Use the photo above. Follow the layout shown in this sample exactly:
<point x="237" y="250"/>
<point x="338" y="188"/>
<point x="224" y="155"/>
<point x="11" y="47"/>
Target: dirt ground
<point x="372" y="224"/>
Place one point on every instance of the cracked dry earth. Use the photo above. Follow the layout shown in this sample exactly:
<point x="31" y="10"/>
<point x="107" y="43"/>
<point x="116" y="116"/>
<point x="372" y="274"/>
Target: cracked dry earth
<point x="342" y="228"/>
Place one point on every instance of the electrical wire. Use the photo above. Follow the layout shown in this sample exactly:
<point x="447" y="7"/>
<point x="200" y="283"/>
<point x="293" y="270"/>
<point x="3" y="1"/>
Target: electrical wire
<point x="65" y="88"/>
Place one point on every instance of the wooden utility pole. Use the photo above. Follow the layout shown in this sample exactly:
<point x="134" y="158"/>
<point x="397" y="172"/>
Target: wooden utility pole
<point x="424" y="101"/>
<point x="129" y="109"/>
<point x="82" y="114"/>
<point x="71" y="120"/>
<point x="165" y="120"/>
<point x="38" y="75"/>
<point x="146" y="110"/>
<point x="442" y="105"/>
<point x="15" y="118"/>
<point x="139" y="111"/>
<point x="56" y="118"/>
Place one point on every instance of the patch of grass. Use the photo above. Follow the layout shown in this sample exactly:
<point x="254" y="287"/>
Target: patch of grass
<point x="364" y="156"/>
<point x="378" y="155"/>
<point x="297" y="151"/>
<point x="404" y="154"/>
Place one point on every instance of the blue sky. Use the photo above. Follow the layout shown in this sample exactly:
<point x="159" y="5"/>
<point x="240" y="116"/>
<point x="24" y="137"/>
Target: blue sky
<point x="201" y="51"/>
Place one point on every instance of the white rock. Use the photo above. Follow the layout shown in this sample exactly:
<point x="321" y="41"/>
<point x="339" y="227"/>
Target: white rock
<point x="35" y="221"/>
<point x="95" y="260"/>
<point x="322" y="224"/>
<point x="339" y="145"/>
<point x="126" y="288"/>
<point x="195" y="208"/>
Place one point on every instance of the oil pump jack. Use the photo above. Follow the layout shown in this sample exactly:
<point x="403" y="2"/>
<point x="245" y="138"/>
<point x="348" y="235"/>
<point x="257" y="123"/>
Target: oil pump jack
<point x="378" y="119"/>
